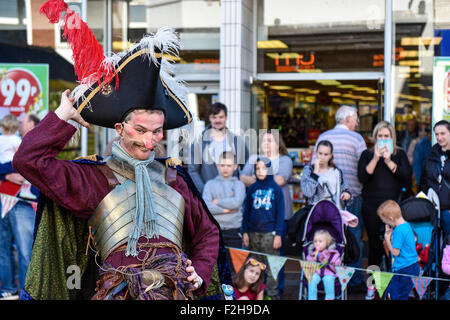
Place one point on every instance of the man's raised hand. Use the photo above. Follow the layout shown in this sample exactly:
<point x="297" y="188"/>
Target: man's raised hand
<point x="66" y="111"/>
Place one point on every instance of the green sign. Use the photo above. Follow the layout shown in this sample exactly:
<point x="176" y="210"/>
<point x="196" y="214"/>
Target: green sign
<point x="24" y="89"/>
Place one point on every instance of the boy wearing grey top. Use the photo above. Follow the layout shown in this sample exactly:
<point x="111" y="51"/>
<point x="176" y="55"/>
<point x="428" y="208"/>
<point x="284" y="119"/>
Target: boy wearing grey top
<point x="224" y="196"/>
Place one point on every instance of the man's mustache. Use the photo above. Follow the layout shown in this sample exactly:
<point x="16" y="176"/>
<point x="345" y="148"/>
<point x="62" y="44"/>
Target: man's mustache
<point x="140" y="144"/>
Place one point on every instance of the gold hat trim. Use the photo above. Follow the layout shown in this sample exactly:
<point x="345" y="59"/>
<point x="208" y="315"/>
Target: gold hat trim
<point x="136" y="54"/>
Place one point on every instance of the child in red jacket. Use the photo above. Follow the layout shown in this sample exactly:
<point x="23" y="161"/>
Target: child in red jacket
<point x="422" y="252"/>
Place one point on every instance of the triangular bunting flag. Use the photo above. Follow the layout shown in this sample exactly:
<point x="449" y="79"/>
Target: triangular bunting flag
<point x="275" y="264"/>
<point x="421" y="285"/>
<point x="238" y="258"/>
<point x="8" y="202"/>
<point x="382" y="280"/>
<point x="309" y="267"/>
<point x="344" y="274"/>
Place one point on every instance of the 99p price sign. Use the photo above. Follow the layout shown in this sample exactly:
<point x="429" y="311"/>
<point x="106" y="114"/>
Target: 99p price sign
<point x="23" y="89"/>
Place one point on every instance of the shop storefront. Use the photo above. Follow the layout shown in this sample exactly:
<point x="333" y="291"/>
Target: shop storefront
<point x="313" y="57"/>
<point x="286" y="64"/>
<point x="116" y="24"/>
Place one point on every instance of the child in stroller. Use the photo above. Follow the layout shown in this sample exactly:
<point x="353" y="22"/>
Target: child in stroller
<point x="323" y="250"/>
<point x="324" y="215"/>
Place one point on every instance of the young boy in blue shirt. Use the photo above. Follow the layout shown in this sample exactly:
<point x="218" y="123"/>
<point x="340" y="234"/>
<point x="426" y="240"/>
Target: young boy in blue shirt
<point x="263" y="218"/>
<point x="399" y="238"/>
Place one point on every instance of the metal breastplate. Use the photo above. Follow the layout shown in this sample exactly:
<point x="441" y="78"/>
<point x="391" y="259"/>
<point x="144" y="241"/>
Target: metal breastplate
<point x="113" y="218"/>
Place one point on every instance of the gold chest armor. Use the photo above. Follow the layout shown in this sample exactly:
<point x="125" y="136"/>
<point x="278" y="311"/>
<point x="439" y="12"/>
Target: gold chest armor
<point x="113" y="218"/>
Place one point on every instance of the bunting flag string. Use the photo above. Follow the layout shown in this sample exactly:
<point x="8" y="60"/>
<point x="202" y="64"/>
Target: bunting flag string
<point x="309" y="268"/>
<point x="238" y="258"/>
<point x="381" y="276"/>
<point x="8" y="202"/>
<point x="421" y="285"/>
<point x="382" y="280"/>
<point x="275" y="264"/>
<point x="344" y="274"/>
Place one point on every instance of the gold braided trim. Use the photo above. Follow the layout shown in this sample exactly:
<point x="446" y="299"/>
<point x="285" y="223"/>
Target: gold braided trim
<point x="173" y="162"/>
<point x="92" y="157"/>
<point x="177" y="101"/>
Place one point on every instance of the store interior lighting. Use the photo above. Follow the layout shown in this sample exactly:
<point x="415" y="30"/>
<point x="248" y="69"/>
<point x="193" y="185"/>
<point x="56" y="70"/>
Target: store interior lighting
<point x="334" y="94"/>
<point x="310" y="70"/>
<point x="329" y="82"/>
<point x="415" y="41"/>
<point x="271" y="44"/>
<point x="346" y="86"/>
<point x="275" y="87"/>
<point x="362" y="88"/>
<point x="409" y="53"/>
<point x="411" y="63"/>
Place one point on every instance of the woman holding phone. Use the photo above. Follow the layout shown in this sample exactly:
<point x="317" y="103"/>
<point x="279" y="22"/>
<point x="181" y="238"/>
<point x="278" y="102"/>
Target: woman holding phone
<point x="384" y="171"/>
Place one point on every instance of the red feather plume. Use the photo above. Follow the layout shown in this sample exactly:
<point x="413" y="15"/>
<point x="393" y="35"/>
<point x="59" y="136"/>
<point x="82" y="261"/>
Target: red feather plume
<point x="86" y="51"/>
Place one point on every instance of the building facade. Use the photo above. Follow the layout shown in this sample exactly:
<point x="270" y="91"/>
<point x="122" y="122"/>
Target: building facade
<point x="283" y="64"/>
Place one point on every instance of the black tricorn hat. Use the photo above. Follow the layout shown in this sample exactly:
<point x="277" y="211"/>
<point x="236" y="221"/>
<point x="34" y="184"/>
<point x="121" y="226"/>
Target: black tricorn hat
<point x="137" y="78"/>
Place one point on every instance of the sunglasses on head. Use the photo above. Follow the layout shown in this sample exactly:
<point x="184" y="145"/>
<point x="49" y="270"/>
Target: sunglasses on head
<point x="255" y="262"/>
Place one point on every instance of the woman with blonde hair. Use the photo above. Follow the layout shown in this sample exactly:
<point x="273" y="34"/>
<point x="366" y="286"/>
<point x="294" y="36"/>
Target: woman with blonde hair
<point x="384" y="171"/>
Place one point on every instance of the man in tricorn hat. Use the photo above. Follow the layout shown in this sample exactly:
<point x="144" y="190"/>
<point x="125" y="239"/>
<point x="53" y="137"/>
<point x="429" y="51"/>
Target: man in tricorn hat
<point x="149" y="231"/>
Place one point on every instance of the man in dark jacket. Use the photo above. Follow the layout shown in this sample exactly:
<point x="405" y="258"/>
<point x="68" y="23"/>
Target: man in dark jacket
<point x="436" y="173"/>
<point x="215" y="140"/>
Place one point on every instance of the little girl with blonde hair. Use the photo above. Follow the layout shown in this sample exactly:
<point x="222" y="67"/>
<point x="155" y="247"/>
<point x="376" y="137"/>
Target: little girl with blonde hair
<point x="323" y="250"/>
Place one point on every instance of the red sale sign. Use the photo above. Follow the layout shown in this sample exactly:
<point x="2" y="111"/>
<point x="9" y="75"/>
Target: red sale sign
<point x="23" y="89"/>
<point x="19" y="90"/>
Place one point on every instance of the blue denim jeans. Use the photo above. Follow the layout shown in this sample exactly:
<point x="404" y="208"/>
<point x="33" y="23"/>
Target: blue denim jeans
<point x="400" y="286"/>
<point x="356" y="209"/>
<point x="328" y="284"/>
<point x="282" y="253"/>
<point x="446" y="295"/>
<point x="16" y="227"/>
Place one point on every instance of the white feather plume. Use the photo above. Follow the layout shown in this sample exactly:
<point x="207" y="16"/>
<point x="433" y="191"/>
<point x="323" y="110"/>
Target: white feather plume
<point x="166" y="40"/>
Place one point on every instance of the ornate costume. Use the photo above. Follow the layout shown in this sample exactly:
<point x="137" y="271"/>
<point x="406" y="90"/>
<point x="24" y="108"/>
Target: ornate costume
<point x="141" y="219"/>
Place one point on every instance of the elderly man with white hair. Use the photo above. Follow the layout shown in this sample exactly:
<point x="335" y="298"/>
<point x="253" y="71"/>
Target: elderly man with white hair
<point x="347" y="148"/>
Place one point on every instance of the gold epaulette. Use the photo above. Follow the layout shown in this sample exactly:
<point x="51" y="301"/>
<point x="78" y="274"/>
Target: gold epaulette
<point x="92" y="157"/>
<point x="173" y="162"/>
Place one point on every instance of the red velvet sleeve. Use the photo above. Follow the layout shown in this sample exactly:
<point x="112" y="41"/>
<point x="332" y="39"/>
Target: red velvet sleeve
<point x="202" y="232"/>
<point x="76" y="187"/>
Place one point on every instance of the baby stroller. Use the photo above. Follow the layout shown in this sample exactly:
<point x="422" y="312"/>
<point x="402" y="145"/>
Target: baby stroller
<point x="323" y="215"/>
<point x="423" y="215"/>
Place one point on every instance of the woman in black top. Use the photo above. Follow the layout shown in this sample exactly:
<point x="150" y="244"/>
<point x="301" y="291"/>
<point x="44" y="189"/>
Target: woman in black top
<point x="384" y="171"/>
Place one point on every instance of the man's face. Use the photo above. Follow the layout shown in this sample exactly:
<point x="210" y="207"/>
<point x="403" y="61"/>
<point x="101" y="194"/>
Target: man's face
<point x="25" y="125"/>
<point x="411" y="125"/>
<point x="139" y="134"/>
<point x="442" y="136"/>
<point x="352" y="121"/>
<point x="218" y="120"/>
